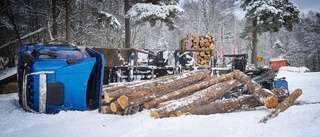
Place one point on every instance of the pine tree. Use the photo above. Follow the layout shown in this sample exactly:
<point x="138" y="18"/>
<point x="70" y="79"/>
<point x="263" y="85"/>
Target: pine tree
<point x="267" y="16"/>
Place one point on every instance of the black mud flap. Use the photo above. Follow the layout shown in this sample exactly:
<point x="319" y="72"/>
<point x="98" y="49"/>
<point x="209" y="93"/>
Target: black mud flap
<point x="95" y="81"/>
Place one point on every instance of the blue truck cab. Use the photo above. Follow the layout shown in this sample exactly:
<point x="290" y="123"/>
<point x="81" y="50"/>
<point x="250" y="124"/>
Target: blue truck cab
<point x="57" y="76"/>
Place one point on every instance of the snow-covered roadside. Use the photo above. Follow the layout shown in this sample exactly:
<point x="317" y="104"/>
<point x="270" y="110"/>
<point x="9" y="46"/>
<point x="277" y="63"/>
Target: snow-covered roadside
<point x="302" y="120"/>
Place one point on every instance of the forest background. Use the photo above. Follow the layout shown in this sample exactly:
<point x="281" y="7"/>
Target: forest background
<point x="104" y="23"/>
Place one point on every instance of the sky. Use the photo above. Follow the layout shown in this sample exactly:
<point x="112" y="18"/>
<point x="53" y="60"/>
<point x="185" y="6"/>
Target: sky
<point x="304" y="6"/>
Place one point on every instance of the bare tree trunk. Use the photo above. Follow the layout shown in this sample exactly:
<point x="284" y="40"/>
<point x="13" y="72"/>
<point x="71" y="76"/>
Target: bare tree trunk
<point x="254" y="42"/>
<point x="54" y="19"/>
<point x="68" y="13"/>
<point x="127" y="24"/>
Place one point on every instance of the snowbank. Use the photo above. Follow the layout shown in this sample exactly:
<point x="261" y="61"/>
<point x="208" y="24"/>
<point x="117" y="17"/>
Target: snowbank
<point x="295" y="69"/>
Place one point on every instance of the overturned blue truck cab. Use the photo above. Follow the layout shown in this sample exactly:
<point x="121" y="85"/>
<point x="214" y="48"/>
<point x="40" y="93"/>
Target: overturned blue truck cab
<point x="57" y="76"/>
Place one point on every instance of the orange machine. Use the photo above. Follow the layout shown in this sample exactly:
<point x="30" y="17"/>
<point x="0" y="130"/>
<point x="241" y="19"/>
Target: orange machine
<point x="277" y="63"/>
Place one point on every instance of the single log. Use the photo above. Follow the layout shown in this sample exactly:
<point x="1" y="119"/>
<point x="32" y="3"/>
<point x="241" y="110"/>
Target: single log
<point x="187" y="90"/>
<point x="223" y="106"/>
<point x="196" y="99"/>
<point x="137" y="99"/>
<point x="103" y="103"/>
<point x="265" y="96"/>
<point x="283" y="105"/>
<point x="112" y="96"/>
<point x="114" y="106"/>
<point x="202" y="53"/>
<point x="207" y="44"/>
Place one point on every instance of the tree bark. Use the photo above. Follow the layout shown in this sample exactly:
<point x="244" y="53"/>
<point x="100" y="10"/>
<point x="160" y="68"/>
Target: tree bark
<point x="127" y="24"/>
<point x="199" y="98"/>
<point x="112" y="96"/>
<point x="112" y="89"/>
<point x="254" y="42"/>
<point x="265" y="96"/>
<point x="223" y="106"/>
<point x="187" y="90"/>
<point x="54" y="18"/>
<point x="68" y="21"/>
<point x="283" y="106"/>
<point x="134" y="99"/>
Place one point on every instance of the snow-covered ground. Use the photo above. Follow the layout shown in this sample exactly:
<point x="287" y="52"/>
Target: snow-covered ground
<point x="296" y="121"/>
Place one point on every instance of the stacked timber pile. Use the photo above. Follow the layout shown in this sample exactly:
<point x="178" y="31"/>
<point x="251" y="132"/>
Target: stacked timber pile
<point x="204" y="44"/>
<point x="192" y="93"/>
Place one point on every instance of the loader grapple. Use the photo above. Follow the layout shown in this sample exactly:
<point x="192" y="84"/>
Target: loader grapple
<point x="57" y="76"/>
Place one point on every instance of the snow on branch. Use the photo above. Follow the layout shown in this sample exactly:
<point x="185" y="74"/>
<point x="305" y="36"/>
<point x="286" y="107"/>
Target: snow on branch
<point x="106" y="18"/>
<point x="143" y="12"/>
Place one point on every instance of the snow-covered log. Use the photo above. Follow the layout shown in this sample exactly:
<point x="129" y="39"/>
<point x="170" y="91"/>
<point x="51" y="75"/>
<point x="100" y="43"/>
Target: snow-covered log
<point x="135" y="99"/>
<point x="187" y="90"/>
<point x="197" y="99"/>
<point x="265" y="96"/>
<point x="112" y="96"/>
<point x="223" y="106"/>
<point x="111" y="89"/>
<point x="283" y="105"/>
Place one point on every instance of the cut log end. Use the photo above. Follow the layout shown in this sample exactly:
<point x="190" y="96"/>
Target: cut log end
<point x="123" y="101"/>
<point x="155" y="114"/>
<point x="113" y="107"/>
<point x="271" y="101"/>
<point x="107" y="98"/>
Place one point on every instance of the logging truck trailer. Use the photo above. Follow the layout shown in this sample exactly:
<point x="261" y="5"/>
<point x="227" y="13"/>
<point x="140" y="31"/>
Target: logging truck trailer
<point x="57" y="76"/>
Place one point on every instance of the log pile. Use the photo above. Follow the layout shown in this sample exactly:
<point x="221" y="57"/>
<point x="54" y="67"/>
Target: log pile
<point x="193" y="92"/>
<point x="205" y="45"/>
